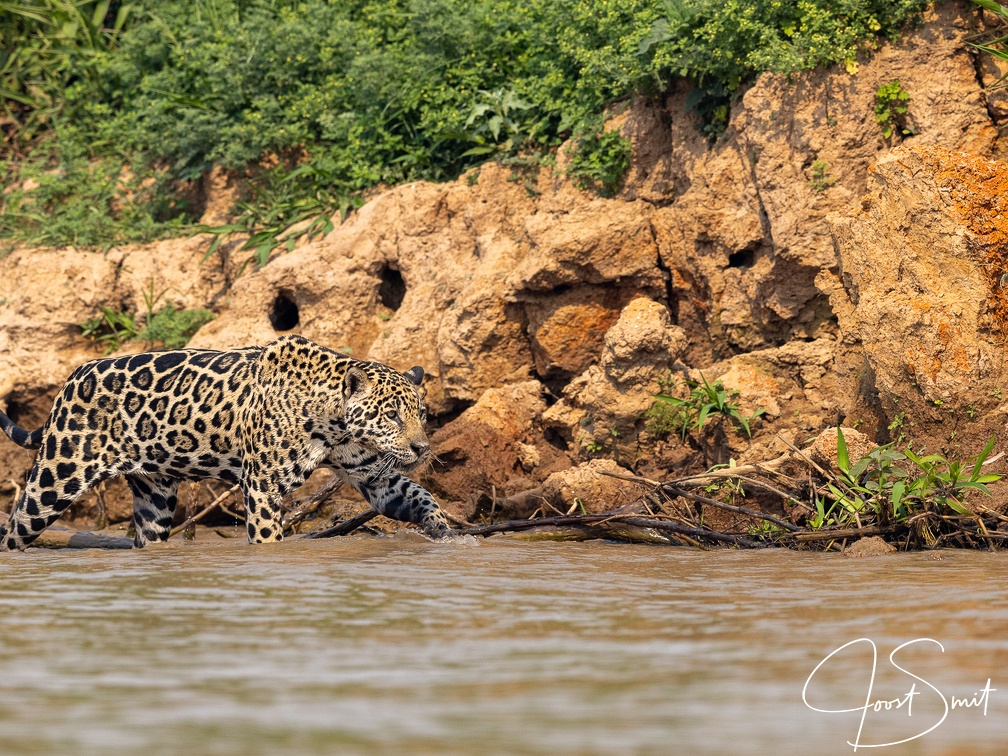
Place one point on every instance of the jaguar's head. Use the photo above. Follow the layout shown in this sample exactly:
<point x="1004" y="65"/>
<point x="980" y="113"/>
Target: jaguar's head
<point x="363" y="414"/>
<point x="384" y="411"/>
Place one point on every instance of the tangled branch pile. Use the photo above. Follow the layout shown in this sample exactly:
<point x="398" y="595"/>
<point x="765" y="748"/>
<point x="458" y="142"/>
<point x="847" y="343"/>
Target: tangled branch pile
<point x="913" y="501"/>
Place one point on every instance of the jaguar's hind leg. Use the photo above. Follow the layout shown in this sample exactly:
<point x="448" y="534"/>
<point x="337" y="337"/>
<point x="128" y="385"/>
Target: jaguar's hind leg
<point x="154" y="500"/>
<point x="46" y="496"/>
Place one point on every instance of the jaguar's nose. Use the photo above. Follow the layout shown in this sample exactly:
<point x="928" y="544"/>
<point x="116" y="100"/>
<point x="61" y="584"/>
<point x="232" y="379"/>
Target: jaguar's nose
<point x="421" y="449"/>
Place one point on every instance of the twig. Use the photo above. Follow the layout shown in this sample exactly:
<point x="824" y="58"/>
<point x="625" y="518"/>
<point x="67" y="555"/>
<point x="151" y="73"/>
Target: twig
<point x="347" y="526"/>
<point x="735" y="472"/>
<point x="731" y="507"/>
<point x="301" y="508"/>
<point x="203" y="512"/>
<point x="629" y="478"/>
<point x="808" y="460"/>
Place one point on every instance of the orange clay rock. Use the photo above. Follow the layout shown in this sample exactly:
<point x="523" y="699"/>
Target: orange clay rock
<point x="924" y="272"/>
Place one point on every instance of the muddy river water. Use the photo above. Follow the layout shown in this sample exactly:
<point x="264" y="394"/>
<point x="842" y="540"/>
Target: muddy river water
<point x="399" y="645"/>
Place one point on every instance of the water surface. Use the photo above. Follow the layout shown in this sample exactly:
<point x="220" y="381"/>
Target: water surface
<point x="400" y="645"/>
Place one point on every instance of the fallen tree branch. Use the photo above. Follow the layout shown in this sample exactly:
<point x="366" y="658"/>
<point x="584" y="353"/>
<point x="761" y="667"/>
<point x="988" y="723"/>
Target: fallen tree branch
<point x="347" y="526"/>
<point x="607" y="517"/>
<point x="731" y="507"/>
<point x="302" y="508"/>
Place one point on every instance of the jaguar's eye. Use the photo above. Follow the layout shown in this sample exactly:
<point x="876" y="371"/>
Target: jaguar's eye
<point x="392" y="414"/>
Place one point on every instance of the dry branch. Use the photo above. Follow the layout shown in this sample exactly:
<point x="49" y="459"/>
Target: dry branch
<point x="345" y="527"/>
<point x="203" y="512"/>
<point x="303" y="508"/>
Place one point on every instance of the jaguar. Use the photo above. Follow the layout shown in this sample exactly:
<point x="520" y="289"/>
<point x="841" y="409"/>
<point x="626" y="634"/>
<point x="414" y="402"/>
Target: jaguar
<point x="263" y="418"/>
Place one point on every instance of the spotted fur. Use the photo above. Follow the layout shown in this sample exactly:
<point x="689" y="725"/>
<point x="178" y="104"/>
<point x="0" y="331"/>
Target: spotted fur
<point x="262" y="417"/>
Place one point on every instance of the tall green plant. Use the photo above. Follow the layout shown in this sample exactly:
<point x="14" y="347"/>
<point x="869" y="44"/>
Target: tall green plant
<point x="44" y="46"/>
<point x="891" y="486"/>
<point x="705" y="400"/>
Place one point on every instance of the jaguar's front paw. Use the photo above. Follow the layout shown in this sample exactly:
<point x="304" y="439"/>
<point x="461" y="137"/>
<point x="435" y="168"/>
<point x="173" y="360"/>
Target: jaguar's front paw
<point x="436" y="526"/>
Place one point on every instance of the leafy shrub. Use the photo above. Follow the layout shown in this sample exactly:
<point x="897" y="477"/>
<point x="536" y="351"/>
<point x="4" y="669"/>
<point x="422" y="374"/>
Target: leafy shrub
<point x="718" y="45"/>
<point x="600" y="160"/>
<point x="60" y="197"/>
<point x="891" y="108"/>
<point x="320" y="101"/>
<point x="821" y="180"/>
<point x="47" y="45"/>
<point x="110" y="329"/>
<point x="670" y="413"/>
<point x="172" y="327"/>
<point x="890" y="486"/>
<point x="168" y="327"/>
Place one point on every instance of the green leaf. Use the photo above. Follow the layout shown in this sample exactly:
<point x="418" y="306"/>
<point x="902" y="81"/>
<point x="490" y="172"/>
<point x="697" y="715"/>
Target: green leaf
<point x="977" y="485"/>
<point x="843" y="462"/>
<point x="982" y="457"/>
<point x="896" y="495"/>
<point x="702" y="416"/>
<point x="957" y="507"/>
<point x="213" y="247"/>
<point x="993" y="7"/>
<point x="263" y="251"/>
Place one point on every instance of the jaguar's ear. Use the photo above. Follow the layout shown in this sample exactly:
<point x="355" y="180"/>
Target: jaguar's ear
<point x="415" y="375"/>
<point x="355" y="382"/>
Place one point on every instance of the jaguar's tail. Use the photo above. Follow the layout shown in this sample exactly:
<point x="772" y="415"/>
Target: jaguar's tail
<point x="19" y="435"/>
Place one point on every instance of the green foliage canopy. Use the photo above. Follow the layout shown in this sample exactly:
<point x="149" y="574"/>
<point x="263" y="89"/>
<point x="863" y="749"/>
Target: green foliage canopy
<point x="341" y="96"/>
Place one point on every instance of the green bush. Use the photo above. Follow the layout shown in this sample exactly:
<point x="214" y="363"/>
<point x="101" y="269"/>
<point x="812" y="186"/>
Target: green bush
<point x="600" y="160"/>
<point x="891" y="108"/>
<point x="172" y="327"/>
<point x="168" y="327"/>
<point x="321" y="101"/>
<point x="888" y="486"/>
<point x="61" y="196"/>
<point x="706" y="400"/>
<point x="48" y="44"/>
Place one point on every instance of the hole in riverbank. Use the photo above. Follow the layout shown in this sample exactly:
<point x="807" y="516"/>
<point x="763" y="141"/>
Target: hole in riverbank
<point x="284" y="316"/>
<point x="742" y="259"/>
<point x="392" y="288"/>
<point x="554" y="439"/>
<point x="456" y="408"/>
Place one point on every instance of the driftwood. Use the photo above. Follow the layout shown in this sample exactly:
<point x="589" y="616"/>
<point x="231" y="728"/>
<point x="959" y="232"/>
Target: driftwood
<point x="301" y="509"/>
<point x="64" y="538"/>
<point x="345" y="527"/>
